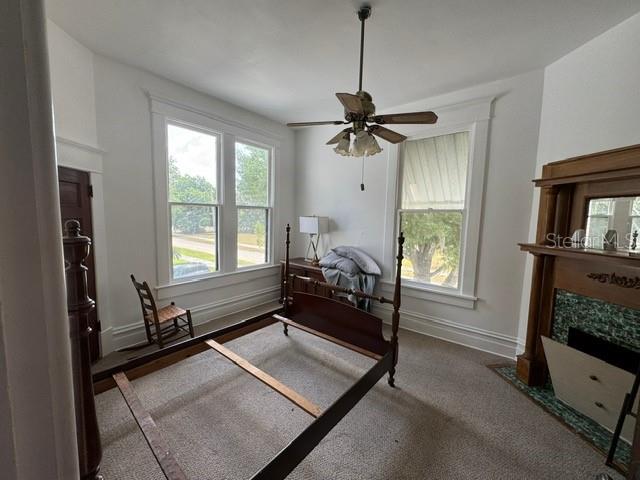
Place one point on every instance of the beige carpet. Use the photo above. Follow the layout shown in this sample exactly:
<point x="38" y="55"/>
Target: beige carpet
<point x="450" y="418"/>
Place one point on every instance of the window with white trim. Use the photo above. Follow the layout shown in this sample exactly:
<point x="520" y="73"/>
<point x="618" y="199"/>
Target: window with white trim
<point x="214" y="196"/>
<point x="253" y="203"/>
<point x="432" y="207"/>
<point x="436" y="184"/>
<point x="192" y="170"/>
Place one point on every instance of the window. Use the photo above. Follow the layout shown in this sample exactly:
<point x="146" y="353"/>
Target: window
<point x="599" y="221"/>
<point x="214" y="199"/>
<point x="253" y="204"/>
<point x="435" y="193"/>
<point x="432" y="207"/>
<point x="621" y="214"/>
<point x="635" y="218"/>
<point x="192" y="160"/>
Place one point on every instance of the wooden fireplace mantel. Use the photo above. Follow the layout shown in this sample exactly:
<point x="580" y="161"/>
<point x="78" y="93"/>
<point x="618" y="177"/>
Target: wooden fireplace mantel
<point x="587" y="254"/>
<point x="566" y="188"/>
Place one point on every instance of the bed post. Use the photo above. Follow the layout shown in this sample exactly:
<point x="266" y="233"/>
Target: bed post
<point x="285" y="302"/>
<point x="395" y="317"/>
<point x="79" y="305"/>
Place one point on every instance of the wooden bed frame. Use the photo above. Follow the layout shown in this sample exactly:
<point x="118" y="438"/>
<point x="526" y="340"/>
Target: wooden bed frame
<point x="331" y="320"/>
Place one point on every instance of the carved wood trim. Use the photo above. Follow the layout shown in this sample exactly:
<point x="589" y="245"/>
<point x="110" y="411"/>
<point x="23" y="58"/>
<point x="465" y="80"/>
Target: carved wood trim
<point x="617" y="280"/>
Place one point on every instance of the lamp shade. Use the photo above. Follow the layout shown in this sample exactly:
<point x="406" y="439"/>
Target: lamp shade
<point x="314" y="225"/>
<point x="343" y="145"/>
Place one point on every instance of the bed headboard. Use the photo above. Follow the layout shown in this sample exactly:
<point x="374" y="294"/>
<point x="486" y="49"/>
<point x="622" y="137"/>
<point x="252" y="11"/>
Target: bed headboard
<point x="339" y="320"/>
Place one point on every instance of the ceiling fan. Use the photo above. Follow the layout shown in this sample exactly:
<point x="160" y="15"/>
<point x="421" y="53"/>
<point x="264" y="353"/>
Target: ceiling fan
<point x="360" y="112"/>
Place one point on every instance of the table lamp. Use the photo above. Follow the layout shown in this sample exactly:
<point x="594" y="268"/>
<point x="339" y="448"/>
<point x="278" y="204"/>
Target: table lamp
<point x="314" y="226"/>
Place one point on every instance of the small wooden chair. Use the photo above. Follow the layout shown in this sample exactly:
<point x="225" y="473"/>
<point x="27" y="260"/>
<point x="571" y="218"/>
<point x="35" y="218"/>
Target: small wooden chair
<point x="166" y="322"/>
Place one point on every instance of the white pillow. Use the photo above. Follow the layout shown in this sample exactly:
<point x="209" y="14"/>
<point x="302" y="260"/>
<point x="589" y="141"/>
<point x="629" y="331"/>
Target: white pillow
<point x="344" y="264"/>
<point x="364" y="261"/>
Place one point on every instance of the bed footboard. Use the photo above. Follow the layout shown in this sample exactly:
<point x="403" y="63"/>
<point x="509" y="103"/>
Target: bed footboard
<point x="339" y="320"/>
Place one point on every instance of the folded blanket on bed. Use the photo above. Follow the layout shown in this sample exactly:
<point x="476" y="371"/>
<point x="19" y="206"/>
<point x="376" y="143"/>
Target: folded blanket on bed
<point x="350" y="267"/>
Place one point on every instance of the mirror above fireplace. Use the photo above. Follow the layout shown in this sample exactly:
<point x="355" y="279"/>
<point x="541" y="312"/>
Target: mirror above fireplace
<point x="621" y="214"/>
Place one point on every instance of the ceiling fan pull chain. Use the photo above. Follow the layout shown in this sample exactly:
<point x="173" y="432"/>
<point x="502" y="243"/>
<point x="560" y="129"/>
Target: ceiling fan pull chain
<point x="362" y="178"/>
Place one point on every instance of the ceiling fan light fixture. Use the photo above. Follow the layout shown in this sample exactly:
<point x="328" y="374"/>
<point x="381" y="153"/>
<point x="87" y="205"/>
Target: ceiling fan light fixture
<point x="365" y="144"/>
<point x="344" y="145"/>
<point x="373" y="147"/>
<point x="360" y="112"/>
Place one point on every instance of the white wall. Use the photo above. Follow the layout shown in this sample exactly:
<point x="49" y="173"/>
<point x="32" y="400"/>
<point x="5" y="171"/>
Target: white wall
<point x="591" y="102"/>
<point x="328" y="184"/>
<point x="71" y="66"/>
<point x="103" y="125"/>
<point x="124" y="131"/>
<point x="73" y="94"/>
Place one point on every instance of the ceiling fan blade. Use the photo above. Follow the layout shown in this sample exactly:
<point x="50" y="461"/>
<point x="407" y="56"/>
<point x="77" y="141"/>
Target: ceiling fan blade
<point x="415" y="117"/>
<point x="339" y="136"/>
<point x="352" y="103"/>
<point x="310" y="124"/>
<point x="388" y="135"/>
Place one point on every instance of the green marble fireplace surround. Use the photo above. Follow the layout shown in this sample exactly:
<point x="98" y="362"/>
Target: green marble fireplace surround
<point x="615" y="323"/>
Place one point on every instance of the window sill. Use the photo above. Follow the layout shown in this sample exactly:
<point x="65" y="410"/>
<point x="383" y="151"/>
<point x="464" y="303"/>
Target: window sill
<point x="177" y="289"/>
<point x="412" y="290"/>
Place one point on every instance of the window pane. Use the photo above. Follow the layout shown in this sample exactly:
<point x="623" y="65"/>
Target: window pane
<point x="252" y="236"/>
<point x="635" y="227"/>
<point x="192" y="165"/>
<point x="596" y="229"/>
<point x="635" y="207"/>
<point x="193" y="240"/>
<point x="600" y="206"/>
<point x="432" y="247"/>
<point x="434" y="172"/>
<point x="252" y="175"/>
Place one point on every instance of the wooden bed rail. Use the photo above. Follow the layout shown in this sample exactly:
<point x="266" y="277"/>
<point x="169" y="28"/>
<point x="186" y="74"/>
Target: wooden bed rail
<point x="159" y="447"/>
<point x="291" y="395"/>
<point x="171" y="354"/>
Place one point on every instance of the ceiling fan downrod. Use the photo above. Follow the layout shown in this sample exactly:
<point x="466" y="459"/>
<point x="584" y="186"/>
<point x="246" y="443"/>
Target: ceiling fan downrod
<point x="363" y="14"/>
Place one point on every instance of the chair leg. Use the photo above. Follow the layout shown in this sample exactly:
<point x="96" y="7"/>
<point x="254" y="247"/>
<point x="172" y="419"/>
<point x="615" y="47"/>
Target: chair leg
<point x="147" y="330"/>
<point x="191" y="333"/>
<point x="159" y="335"/>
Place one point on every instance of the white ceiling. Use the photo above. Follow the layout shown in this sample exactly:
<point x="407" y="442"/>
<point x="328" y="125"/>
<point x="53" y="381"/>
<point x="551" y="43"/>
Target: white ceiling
<point x="286" y="58"/>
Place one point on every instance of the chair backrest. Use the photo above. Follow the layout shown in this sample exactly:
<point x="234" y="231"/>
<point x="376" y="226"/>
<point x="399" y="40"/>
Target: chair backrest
<point x="147" y="302"/>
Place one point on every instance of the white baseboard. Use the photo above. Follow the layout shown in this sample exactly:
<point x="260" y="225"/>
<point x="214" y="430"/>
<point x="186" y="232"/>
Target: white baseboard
<point x="473" y="337"/>
<point x="132" y="333"/>
<point x="106" y="341"/>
